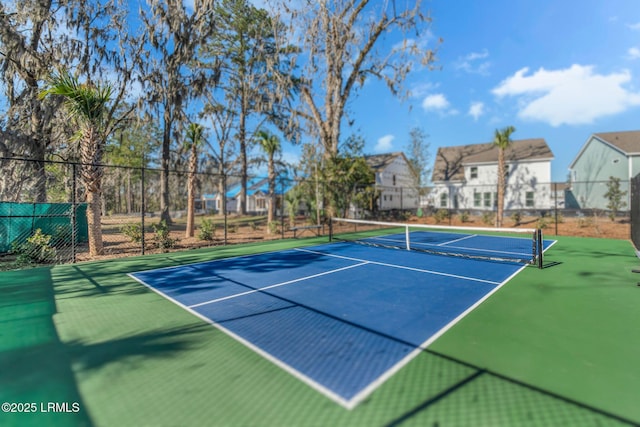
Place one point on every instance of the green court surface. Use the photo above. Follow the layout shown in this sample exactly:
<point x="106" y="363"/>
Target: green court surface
<point x="85" y="345"/>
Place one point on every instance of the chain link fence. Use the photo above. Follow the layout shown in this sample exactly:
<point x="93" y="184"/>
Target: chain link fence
<point x="43" y="210"/>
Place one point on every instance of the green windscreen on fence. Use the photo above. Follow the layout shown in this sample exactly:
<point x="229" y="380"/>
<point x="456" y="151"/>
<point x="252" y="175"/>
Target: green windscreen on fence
<point x="19" y="221"/>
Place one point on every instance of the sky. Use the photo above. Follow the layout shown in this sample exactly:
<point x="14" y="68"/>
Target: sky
<point x="554" y="69"/>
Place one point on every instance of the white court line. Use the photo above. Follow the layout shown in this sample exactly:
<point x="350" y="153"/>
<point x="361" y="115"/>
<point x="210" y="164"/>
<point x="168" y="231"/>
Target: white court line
<point x="268" y="356"/>
<point x="456" y="240"/>
<point x="364" y="393"/>
<point x="401" y="267"/>
<point x="277" y="285"/>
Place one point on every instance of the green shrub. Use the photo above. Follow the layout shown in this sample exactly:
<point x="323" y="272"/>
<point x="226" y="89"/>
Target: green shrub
<point x="488" y="218"/>
<point x="253" y="226"/>
<point x="542" y="222"/>
<point x="273" y="227"/>
<point x="516" y="217"/>
<point x="232" y="228"/>
<point x="133" y="232"/>
<point x="207" y="230"/>
<point x="464" y="216"/>
<point x="441" y="215"/>
<point x="162" y="236"/>
<point x="36" y="250"/>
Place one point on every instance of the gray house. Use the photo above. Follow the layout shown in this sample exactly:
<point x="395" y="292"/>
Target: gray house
<point x="604" y="155"/>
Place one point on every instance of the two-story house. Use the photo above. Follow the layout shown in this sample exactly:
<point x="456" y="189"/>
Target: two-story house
<point x="396" y="181"/>
<point x="603" y="155"/>
<point x="466" y="177"/>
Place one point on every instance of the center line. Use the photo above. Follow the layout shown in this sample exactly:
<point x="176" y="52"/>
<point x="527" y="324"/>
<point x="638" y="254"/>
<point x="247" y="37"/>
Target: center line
<point x="277" y="285"/>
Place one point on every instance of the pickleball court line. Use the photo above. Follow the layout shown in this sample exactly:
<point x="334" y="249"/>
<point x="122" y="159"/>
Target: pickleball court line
<point x="277" y="285"/>
<point x="384" y="264"/>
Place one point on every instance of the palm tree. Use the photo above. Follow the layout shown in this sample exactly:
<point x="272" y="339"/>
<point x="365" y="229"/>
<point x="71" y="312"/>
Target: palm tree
<point x="271" y="145"/>
<point x="502" y="139"/>
<point x="87" y="105"/>
<point x="193" y="142"/>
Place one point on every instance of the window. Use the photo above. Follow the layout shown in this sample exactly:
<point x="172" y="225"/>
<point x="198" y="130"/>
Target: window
<point x="506" y="171"/>
<point x="261" y="203"/>
<point x="474" y="172"/>
<point x="529" y="202"/>
<point x="477" y="200"/>
<point x="391" y="197"/>
<point x="487" y="200"/>
<point x="495" y="200"/>
<point x="443" y="200"/>
<point x="394" y="180"/>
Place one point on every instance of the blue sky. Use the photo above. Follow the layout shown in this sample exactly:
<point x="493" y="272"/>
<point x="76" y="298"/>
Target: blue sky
<point x="555" y="69"/>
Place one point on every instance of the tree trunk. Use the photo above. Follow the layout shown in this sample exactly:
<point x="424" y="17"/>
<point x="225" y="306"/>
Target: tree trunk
<point x="165" y="162"/>
<point x="272" y="183"/>
<point x="191" y="189"/>
<point x="93" y="221"/>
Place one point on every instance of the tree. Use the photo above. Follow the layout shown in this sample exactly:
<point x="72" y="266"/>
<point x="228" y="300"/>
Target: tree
<point x="36" y="37"/>
<point x="271" y="146"/>
<point x="502" y="139"/>
<point x="172" y="71"/>
<point x="614" y="195"/>
<point x="342" y="41"/>
<point x="255" y="73"/>
<point x="192" y="144"/>
<point x="88" y="107"/>
<point x="419" y="158"/>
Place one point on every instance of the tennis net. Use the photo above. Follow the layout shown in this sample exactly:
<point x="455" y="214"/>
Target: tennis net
<point x="521" y="245"/>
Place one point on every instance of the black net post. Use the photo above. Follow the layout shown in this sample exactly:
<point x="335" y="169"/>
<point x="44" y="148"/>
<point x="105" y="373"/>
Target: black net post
<point x="539" y="247"/>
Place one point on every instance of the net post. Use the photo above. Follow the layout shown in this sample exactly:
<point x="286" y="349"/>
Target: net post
<point x="406" y="234"/>
<point x="539" y="247"/>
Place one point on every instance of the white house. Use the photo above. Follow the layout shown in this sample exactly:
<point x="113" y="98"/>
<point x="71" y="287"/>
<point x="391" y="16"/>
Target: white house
<point x="465" y="177"/>
<point x="396" y="181"/>
<point x="603" y="155"/>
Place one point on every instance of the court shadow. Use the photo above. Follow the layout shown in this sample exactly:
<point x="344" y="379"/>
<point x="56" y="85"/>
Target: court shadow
<point x="162" y="343"/>
<point x="35" y="366"/>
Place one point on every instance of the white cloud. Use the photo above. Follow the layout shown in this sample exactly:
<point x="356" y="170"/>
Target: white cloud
<point x="473" y="63"/>
<point x="438" y="102"/>
<point x="633" y="53"/>
<point x="385" y="144"/>
<point x="435" y="102"/>
<point x="635" y="26"/>
<point x="476" y="110"/>
<point x="575" y="95"/>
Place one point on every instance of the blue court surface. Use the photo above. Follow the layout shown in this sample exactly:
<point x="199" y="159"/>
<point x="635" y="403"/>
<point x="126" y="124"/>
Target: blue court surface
<point x="342" y="317"/>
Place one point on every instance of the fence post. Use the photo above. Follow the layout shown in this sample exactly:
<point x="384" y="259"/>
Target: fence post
<point x="74" y="219"/>
<point x="142" y="206"/>
<point x="224" y="205"/>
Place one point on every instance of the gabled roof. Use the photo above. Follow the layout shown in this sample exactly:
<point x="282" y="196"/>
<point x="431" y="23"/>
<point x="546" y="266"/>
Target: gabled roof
<point x="378" y="162"/>
<point x="450" y="161"/>
<point x="627" y="142"/>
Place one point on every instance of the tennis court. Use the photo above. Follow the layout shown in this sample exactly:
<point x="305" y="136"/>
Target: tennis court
<point x="315" y="333"/>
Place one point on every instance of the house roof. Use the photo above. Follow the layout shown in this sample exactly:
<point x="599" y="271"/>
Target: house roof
<point x="379" y="162"/>
<point x="450" y="161"/>
<point x="628" y="142"/>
